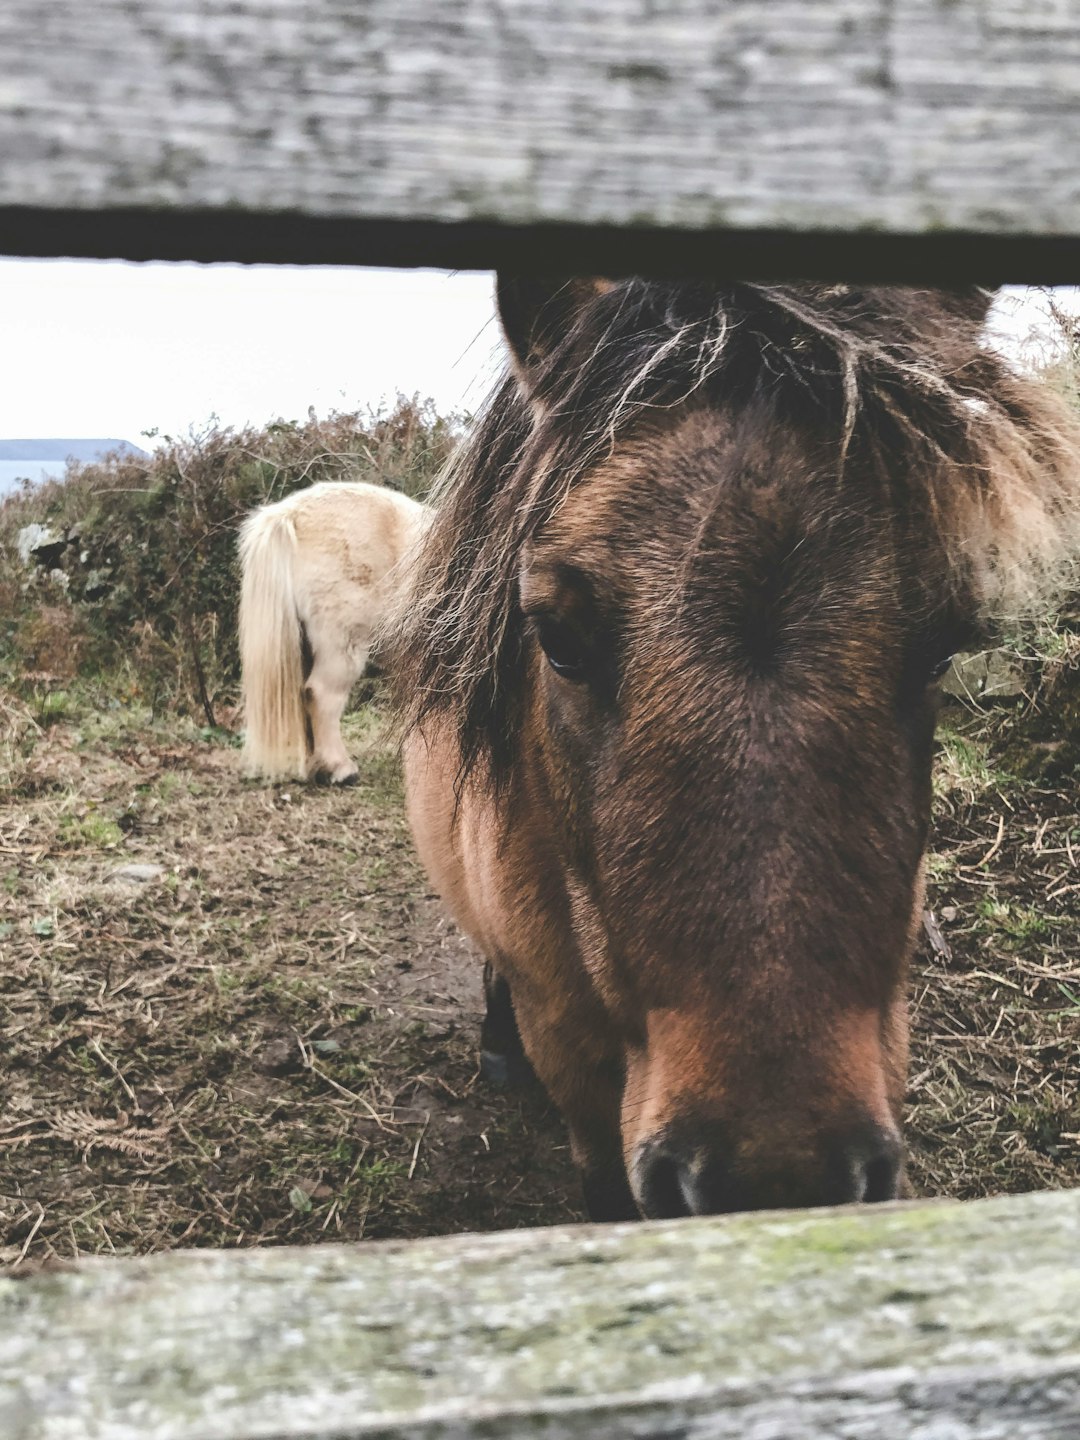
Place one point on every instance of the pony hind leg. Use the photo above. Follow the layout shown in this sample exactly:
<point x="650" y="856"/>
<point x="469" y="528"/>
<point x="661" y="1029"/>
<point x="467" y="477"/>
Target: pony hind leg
<point x="326" y="693"/>
<point x="503" y="1062"/>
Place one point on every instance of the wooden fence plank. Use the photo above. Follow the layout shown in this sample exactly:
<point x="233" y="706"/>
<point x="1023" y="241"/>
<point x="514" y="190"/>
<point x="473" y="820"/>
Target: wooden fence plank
<point x="922" y="1322"/>
<point x="899" y="123"/>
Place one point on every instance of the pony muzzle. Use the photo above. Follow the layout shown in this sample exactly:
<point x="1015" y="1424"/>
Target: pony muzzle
<point x="697" y="1169"/>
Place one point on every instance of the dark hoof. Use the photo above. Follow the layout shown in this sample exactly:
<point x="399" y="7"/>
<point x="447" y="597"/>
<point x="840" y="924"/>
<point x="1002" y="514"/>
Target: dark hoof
<point x="608" y="1197"/>
<point x="506" y="1072"/>
<point x="352" y="779"/>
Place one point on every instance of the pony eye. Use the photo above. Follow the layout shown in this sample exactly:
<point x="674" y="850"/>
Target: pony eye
<point x="562" y="647"/>
<point x="941" y="668"/>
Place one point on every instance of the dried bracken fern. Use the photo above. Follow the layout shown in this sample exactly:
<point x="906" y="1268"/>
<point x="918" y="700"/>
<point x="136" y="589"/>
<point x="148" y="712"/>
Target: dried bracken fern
<point x="16" y="721"/>
<point x="89" y="1132"/>
<point x="19" y="732"/>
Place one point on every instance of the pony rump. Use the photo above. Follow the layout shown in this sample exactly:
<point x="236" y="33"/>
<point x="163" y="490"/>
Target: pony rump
<point x="275" y="739"/>
<point x="895" y="386"/>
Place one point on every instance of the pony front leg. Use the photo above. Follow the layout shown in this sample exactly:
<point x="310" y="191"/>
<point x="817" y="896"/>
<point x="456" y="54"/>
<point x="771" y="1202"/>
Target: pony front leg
<point x="584" y="1078"/>
<point x="596" y="1145"/>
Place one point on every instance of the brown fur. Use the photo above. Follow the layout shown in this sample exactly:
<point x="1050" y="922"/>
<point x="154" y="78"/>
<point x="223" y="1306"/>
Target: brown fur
<point x="751" y="522"/>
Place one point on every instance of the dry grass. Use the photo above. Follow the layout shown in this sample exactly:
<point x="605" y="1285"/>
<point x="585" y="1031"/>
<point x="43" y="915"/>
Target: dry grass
<point x="271" y="1041"/>
<point x="274" y="1040"/>
<point x="995" y="1084"/>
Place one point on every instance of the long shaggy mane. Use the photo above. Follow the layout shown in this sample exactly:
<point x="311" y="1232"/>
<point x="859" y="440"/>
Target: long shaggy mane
<point x="897" y="382"/>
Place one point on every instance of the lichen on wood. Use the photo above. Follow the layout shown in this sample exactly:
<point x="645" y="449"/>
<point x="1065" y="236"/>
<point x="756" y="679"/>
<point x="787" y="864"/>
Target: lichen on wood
<point x="907" y="1321"/>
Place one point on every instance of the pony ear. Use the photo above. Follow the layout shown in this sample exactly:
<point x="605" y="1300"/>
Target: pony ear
<point x="973" y="302"/>
<point x="536" y="311"/>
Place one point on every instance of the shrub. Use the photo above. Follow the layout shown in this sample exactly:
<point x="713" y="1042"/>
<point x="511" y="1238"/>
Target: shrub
<point x="1063" y="369"/>
<point x="148" y="582"/>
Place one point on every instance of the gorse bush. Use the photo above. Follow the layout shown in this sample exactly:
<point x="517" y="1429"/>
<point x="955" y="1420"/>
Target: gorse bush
<point x="144" y="584"/>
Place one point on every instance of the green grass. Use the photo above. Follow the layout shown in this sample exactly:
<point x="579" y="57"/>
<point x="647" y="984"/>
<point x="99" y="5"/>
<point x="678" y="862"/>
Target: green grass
<point x="1019" y="923"/>
<point x="940" y="866"/>
<point x="89" y="831"/>
<point x="54" y="705"/>
<point x="962" y="766"/>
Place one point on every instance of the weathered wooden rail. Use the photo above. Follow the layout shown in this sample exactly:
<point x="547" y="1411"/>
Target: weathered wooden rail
<point x="847" y="137"/>
<point x="919" y="1322"/>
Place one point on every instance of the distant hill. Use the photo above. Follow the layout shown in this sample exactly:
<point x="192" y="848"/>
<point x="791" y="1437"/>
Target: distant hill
<point x="43" y="459"/>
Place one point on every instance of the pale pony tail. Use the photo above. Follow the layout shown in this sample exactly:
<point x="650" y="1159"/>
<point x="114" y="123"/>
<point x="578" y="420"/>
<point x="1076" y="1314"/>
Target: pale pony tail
<point x="275" y="740"/>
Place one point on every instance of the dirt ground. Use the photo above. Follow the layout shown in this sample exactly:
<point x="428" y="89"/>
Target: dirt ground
<point x="271" y="1035"/>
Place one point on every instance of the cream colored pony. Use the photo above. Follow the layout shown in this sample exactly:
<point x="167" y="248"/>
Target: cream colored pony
<point x="319" y="571"/>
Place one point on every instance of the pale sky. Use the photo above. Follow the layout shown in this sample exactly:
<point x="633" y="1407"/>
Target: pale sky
<point x="96" y="348"/>
<point x="112" y="349"/>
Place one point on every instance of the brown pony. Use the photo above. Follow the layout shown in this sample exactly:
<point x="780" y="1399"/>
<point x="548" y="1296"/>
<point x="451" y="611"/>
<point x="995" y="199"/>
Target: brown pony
<point x="669" y="682"/>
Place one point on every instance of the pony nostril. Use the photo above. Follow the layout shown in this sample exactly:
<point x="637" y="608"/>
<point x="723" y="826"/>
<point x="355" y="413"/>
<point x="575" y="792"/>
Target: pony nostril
<point x="882" y="1178"/>
<point x="660" y="1187"/>
<point x="876" y="1168"/>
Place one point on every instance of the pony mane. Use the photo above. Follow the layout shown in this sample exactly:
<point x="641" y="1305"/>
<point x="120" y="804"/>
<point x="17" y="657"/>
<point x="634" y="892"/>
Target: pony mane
<point x="891" y="382"/>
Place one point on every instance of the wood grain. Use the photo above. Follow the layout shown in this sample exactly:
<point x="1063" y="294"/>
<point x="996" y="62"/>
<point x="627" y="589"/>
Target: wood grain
<point x="900" y="122"/>
<point x="914" y="1322"/>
